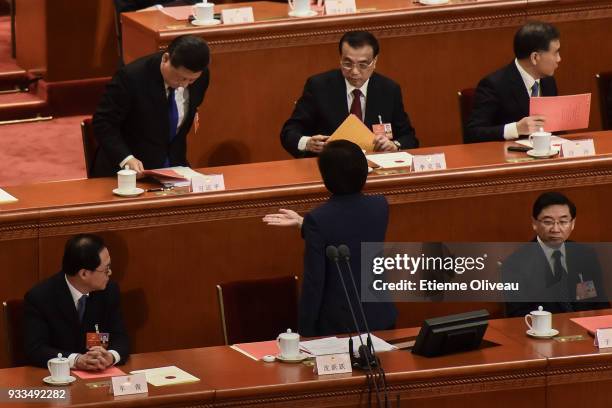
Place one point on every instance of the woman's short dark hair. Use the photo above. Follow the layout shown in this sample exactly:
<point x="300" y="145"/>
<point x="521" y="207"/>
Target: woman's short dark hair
<point x="190" y="52"/>
<point x="82" y="252"/>
<point x="358" y="39"/>
<point x="343" y="167"/>
<point x="552" y="198"/>
<point x="534" y="36"/>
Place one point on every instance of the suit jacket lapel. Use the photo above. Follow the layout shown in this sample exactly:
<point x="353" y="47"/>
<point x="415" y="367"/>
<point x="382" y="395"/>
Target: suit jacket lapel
<point x="519" y="92"/>
<point x="338" y="105"/>
<point x="373" y="102"/>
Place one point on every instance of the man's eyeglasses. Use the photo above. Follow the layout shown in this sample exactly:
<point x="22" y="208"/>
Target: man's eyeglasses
<point x="362" y="66"/>
<point x="106" y="270"/>
<point x="548" y="223"/>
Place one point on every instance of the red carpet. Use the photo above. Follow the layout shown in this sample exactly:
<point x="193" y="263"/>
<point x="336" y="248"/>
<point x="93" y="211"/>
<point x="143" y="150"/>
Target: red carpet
<point x="42" y="151"/>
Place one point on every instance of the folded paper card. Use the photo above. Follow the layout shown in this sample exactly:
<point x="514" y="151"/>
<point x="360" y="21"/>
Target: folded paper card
<point x="566" y="112"/>
<point x="257" y="349"/>
<point x="6" y="197"/>
<point x="170" y="375"/>
<point x="593" y="323"/>
<point x="352" y="129"/>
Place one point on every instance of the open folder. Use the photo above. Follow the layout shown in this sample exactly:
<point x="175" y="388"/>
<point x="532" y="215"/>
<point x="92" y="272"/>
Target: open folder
<point x="353" y="130"/>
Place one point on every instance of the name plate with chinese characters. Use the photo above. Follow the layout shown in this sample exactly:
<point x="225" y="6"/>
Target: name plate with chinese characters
<point x="340" y="7"/>
<point x="130" y="384"/>
<point x="430" y="162"/>
<point x="240" y="15"/>
<point x="603" y="337"/>
<point x="578" y="148"/>
<point x="334" y="364"/>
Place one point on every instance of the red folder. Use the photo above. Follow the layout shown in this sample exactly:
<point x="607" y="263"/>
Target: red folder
<point x="164" y="173"/>
<point x="594" y="322"/>
<point x="258" y="349"/>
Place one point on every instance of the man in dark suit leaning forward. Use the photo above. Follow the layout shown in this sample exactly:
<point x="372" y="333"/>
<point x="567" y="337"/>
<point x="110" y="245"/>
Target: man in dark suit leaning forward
<point x="501" y="102"/>
<point x="80" y="299"/>
<point x="328" y="98"/>
<point x="148" y="108"/>
<point x="560" y="275"/>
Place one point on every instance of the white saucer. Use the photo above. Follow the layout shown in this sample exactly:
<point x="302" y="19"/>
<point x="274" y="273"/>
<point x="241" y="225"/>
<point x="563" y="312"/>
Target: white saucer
<point x="551" y="333"/>
<point x="553" y="152"/>
<point x="310" y="13"/>
<point x="212" y="22"/>
<point x="136" y="192"/>
<point x="67" y="381"/>
<point x="295" y="359"/>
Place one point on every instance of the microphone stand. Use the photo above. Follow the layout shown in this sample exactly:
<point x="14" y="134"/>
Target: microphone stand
<point x="345" y="253"/>
<point x="332" y="254"/>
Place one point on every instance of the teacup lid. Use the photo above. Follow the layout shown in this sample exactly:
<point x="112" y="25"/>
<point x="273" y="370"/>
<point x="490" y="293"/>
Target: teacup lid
<point x="289" y="334"/>
<point x="126" y="171"/>
<point x="59" y="358"/>
<point x="540" y="311"/>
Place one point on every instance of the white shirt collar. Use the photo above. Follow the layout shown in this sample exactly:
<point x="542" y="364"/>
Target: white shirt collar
<point x="528" y="80"/>
<point x="76" y="294"/>
<point x="548" y="251"/>
<point x="363" y="89"/>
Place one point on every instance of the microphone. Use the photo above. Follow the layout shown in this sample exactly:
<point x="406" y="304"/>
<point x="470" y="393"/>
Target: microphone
<point x="362" y="361"/>
<point x="369" y="353"/>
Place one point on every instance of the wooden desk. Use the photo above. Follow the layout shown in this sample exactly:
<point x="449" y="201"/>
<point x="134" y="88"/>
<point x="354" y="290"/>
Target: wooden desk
<point x="258" y="70"/>
<point x="507" y="375"/>
<point x="165" y="246"/>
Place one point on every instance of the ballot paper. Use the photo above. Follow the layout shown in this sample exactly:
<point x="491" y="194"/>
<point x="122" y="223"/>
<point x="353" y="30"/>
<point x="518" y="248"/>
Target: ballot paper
<point x="169" y="375"/>
<point x="353" y="130"/>
<point x="555" y="141"/>
<point x="6" y="197"/>
<point x="390" y="160"/>
<point x="566" y="112"/>
<point x="335" y="345"/>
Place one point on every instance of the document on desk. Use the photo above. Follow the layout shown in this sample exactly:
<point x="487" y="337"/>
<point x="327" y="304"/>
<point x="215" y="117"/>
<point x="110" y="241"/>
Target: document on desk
<point x="335" y="345"/>
<point x="169" y="375"/>
<point x="567" y="112"/>
<point x="353" y="130"/>
<point x="179" y="13"/>
<point x="391" y="160"/>
<point x="555" y="141"/>
<point x="592" y="323"/>
<point x="178" y="176"/>
<point x="258" y="349"/>
<point x="6" y="197"/>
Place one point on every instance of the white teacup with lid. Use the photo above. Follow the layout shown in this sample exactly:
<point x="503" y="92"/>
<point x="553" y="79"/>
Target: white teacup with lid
<point x="540" y="141"/>
<point x="539" y="321"/>
<point x="59" y="367"/>
<point x="289" y="344"/>
<point x="126" y="181"/>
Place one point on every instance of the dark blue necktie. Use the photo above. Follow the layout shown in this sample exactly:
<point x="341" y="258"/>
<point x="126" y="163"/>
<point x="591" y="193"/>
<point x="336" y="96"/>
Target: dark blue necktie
<point x="535" y="89"/>
<point x="172" y="119"/>
<point x="81" y="305"/>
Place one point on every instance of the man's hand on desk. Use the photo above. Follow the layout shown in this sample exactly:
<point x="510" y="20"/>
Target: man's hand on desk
<point x="285" y="218"/>
<point x="530" y="124"/>
<point x="383" y="144"/>
<point x="135" y="165"/>
<point x="316" y="143"/>
<point x="102" y="355"/>
<point x="90" y="362"/>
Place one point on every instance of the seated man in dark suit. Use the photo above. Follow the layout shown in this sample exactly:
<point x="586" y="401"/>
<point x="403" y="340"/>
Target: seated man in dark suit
<point x="560" y="275"/>
<point x="80" y="299"/>
<point x="350" y="218"/>
<point x="148" y="108"/>
<point x="501" y="102"/>
<point x="329" y="97"/>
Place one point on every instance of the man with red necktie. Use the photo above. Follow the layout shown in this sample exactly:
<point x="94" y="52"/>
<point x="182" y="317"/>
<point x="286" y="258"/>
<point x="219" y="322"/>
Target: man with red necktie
<point x="355" y="88"/>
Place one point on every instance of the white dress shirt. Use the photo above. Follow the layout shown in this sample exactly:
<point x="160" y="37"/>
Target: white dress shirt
<point x="76" y="295"/>
<point x="548" y="252"/>
<point x="510" y="129"/>
<point x="349" y="101"/>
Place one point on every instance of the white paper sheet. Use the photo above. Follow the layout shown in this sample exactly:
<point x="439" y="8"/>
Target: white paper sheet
<point x="390" y="160"/>
<point x="6" y="197"/>
<point x="169" y="375"/>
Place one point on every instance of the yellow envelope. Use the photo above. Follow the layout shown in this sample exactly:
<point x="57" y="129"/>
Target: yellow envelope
<point x="354" y="130"/>
<point x="166" y="376"/>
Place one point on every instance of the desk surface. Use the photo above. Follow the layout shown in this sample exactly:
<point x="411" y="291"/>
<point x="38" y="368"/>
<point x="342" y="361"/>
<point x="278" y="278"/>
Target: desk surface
<point x="516" y="363"/>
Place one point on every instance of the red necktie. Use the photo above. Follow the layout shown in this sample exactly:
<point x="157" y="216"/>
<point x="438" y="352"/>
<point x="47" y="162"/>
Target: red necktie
<point x="356" y="105"/>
